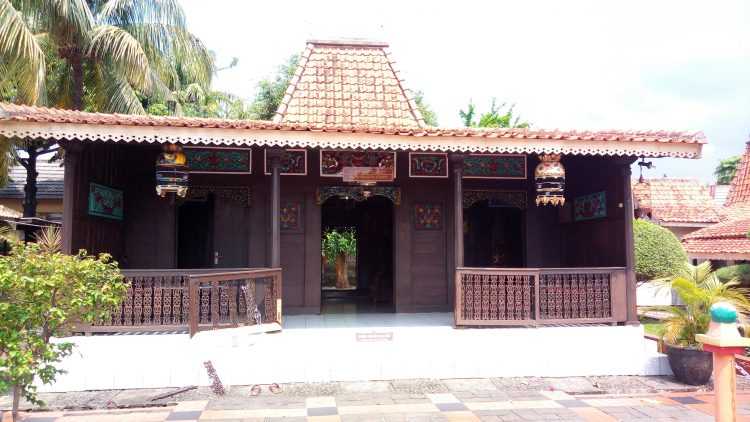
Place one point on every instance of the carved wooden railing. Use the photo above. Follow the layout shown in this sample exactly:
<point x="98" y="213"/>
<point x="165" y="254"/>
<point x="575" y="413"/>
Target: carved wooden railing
<point x="535" y="296"/>
<point x="163" y="300"/>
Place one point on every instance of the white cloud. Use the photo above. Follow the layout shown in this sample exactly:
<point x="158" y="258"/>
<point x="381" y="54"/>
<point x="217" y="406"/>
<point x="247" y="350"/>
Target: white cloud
<point x="677" y="65"/>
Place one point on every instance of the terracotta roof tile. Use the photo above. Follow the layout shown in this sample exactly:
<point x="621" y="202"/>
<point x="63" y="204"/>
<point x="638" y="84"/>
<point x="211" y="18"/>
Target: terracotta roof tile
<point x="728" y="237"/>
<point x="14" y="112"/>
<point x="740" y="187"/>
<point x="668" y="200"/>
<point x="347" y="83"/>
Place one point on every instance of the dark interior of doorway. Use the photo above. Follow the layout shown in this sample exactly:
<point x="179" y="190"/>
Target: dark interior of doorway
<point x="194" y="233"/>
<point x="372" y="275"/>
<point x="493" y="236"/>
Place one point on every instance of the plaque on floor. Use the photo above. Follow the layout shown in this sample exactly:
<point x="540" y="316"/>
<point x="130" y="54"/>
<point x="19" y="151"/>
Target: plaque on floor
<point x="375" y="336"/>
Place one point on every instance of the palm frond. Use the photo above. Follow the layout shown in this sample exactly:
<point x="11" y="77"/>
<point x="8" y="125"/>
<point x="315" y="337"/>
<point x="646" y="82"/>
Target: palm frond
<point x="127" y="13"/>
<point x="49" y="239"/>
<point x="118" y="96"/>
<point x="70" y="21"/>
<point x="20" y="50"/>
<point x="118" y="47"/>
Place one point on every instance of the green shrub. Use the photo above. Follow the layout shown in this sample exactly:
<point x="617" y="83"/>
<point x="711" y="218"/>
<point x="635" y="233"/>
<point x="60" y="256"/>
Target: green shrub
<point x="741" y="272"/>
<point x="44" y="294"/>
<point x="658" y="252"/>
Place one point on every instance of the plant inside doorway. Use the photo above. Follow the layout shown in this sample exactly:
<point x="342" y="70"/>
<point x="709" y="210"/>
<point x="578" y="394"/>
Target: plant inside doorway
<point x="337" y="246"/>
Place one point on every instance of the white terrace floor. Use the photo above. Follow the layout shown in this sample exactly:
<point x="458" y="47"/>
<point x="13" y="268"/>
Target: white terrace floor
<point x="347" y="347"/>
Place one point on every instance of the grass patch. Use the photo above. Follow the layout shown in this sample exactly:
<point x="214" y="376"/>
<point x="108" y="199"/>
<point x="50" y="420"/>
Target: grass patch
<point x="652" y="326"/>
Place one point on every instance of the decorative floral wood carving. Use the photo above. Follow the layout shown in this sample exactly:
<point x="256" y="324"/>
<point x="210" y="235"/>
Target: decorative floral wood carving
<point x="428" y="216"/>
<point x="219" y="160"/>
<point x="333" y="162"/>
<point x="238" y="194"/>
<point x="359" y="193"/>
<point x="497" y="198"/>
<point x="293" y="162"/>
<point x="428" y="164"/>
<point x="290" y="215"/>
<point x="495" y="166"/>
<point x="590" y="207"/>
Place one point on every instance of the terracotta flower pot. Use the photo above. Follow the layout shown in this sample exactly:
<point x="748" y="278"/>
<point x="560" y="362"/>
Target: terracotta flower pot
<point x="691" y="366"/>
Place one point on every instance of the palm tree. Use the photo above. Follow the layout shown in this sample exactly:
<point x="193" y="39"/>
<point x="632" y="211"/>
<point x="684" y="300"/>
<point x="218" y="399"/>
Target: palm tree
<point x="699" y="287"/>
<point x="96" y="55"/>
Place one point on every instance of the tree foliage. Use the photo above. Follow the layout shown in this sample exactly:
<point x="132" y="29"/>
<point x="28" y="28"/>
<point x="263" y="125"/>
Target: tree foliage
<point x="43" y="293"/>
<point x="499" y="116"/>
<point x="338" y="242"/>
<point x="98" y="55"/>
<point x="740" y="271"/>
<point x="428" y="114"/>
<point x="271" y="91"/>
<point x="114" y="56"/>
<point x="658" y="252"/>
<point x="726" y="169"/>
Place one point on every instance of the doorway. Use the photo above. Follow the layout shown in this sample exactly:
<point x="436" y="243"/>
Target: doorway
<point x="362" y="280"/>
<point x="212" y="232"/>
<point x="194" y="233"/>
<point x="493" y="236"/>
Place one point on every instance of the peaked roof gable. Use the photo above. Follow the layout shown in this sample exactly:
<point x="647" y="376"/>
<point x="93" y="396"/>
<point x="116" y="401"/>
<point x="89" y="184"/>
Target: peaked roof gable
<point x="348" y="83"/>
<point x="739" y="192"/>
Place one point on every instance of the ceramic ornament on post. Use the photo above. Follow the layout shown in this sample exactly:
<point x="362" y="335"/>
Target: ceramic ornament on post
<point x="549" y="176"/>
<point x="723" y="339"/>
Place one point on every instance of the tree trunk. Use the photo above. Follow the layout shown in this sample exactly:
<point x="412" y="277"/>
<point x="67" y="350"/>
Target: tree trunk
<point x="76" y="63"/>
<point x="29" y="200"/>
<point x="16" y="403"/>
<point x="342" y="272"/>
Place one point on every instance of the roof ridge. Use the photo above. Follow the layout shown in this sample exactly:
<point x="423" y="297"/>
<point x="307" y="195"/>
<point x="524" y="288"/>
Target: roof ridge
<point x="354" y="42"/>
<point x="284" y="105"/>
<point x="410" y="99"/>
<point x="739" y="190"/>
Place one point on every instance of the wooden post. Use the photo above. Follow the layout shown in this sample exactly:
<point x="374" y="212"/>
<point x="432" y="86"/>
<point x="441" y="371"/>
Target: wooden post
<point x="70" y="194"/>
<point x="457" y="163"/>
<point x="725" y="385"/>
<point x="274" y="154"/>
<point x="630" y="282"/>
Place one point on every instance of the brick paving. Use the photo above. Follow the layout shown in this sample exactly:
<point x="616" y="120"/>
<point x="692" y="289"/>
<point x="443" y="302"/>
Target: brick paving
<point x="483" y="404"/>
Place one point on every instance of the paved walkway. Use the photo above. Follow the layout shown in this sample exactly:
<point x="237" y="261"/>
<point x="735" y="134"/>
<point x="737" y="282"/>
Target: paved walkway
<point x="464" y="400"/>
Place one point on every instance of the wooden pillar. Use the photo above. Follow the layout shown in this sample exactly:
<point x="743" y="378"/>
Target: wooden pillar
<point x="274" y="155"/>
<point x="457" y="164"/>
<point x="70" y="193"/>
<point x="630" y="289"/>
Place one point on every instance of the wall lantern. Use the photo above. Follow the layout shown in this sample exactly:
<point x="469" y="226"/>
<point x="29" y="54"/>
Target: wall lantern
<point x="171" y="172"/>
<point x="549" y="176"/>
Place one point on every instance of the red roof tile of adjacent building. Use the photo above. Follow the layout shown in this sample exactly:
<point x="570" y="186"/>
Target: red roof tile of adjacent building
<point x="725" y="240"/>
<point x="668" y="200"/>
<point x="739" y="192"/>
<point x="348" y="83"/>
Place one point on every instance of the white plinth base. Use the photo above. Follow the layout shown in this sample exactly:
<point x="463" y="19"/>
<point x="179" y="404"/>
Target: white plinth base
<point x="326" y="348"/>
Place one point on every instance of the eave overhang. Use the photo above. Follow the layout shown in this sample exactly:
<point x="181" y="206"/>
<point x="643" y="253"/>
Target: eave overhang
<point x="645" y="144"/>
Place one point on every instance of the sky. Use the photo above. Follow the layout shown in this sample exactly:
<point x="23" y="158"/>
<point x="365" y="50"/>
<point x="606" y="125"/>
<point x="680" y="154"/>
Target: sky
<point x="598" y="65"/>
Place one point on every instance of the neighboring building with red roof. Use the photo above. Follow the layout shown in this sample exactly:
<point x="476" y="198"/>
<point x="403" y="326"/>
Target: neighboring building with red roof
<point x="680" y="205"/>
<point x="725" y="241"/>
<point x="728" y="240"/>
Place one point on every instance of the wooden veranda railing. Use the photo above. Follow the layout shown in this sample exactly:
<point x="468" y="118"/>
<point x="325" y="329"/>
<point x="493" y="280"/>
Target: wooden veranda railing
<point x="196" y="300"/>
<point x="536" y="296"/>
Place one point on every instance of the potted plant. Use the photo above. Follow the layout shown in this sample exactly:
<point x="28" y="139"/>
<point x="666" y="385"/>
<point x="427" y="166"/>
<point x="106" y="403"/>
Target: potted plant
<point x="337" y="245"/>
<point x="698" y="287"/>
